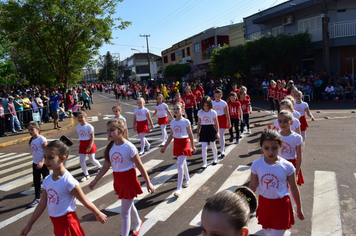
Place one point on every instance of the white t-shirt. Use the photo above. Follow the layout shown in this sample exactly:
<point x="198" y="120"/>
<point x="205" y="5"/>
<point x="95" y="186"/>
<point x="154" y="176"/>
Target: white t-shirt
<point x="180" y="128"/>
<point x="84" y="131"/>
<point x="301" y="108"/>
<point x="121" y="156"/>
<point x="219" y="107"/>
<point x="60" y="201"/>
<point x="141" y="113"/>
<point x="39" y="100"/>
<point x="121" y="118"/>
<point x="37" y="148"/>
<point x="290" y="143"/>
<point x="296" y="114"/>
<point x="161" y="110"/>
<point x="272" y="179"/>
<point x="207" y="118"/>
<point x="293" y="127"/>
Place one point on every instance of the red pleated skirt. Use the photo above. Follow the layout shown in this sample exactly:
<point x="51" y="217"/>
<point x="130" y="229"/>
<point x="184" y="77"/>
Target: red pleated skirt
<point x="303" y="123"/>
<point x="126" y="184"/>
<point x="300" y="180"/>
<point x="223" y="123"/>
<point x="163" y="121"/>
<point x="142" y="127"/>
<point x="275" y="213"/>
<point x="84" y="144"/>
<point x="181" y="147"/>
<point x="67" y="225"/>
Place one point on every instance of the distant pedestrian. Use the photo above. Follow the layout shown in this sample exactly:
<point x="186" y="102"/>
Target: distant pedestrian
<point x="162" y="112"/>
<point x="14" y="122"/>
<point x="54" y="106"/>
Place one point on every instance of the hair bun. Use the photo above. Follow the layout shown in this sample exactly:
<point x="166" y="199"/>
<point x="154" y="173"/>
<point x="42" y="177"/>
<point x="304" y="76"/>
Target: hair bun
<point x="249" y="196"/>
<point x="66" y="140"/>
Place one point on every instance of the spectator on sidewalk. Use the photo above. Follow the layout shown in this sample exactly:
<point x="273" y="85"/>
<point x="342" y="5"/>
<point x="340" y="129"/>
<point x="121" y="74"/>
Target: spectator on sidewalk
<point x="329" y="93"/>
<point x="2" y="120"/>
<point x="339" y="92"/>
<point x="45" y="100"/>
<point x="70" y="100"/>
<point x="12" y="116"/>
<point x="27" y="115"/>
<point x="86" y="101"/>
<point x="39" y="104"/>
<point x="19" y="109"/>
<point x="54" y="106"/>
<point x="317" y="87"/>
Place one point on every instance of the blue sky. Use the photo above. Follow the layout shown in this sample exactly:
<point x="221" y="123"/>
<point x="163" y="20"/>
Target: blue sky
<point x="168" y="22"/>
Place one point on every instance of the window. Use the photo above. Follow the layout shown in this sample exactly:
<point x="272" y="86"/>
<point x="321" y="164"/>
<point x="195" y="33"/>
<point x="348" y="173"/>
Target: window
<point x="183" y="53"/>
<point x="196" y="47"/>
<point x="277" y="30"/>
<point x="188" y="51"/>
<point x="173" y="56"/>
<point x="313" y="25"/>
<point x="165" y="59"/>
<point x="254" y="36"/>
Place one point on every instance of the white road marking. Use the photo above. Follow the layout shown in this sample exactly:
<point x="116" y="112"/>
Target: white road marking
<point x="166" y="208"/>
<point x="12" y="163"/>
<point x="8" y="154"/>
<point x="326" y="205"/>
<point x="16" y="217"/>
<point x="108" y="187"/>
<point x="157" y="181"/>
<point x="237" y="178"/>
<point x="91" y="119"/>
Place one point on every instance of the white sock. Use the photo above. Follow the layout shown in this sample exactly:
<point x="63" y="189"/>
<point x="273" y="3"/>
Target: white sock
<point x="93" y="160"/>
<point x="164" y="133"/>
<point x="304" y="134"/>
<point x="142" y="141"/>
<point x="267" y="232"/>
<point x="215" y="150"/>
<point x="182" y="170"/>
<point x="204" y="152"/>
<point x="222" y="140"/>
<point x="126" y="213"/>
<point x="83" y="164"/>
<point x="277" y="232"/>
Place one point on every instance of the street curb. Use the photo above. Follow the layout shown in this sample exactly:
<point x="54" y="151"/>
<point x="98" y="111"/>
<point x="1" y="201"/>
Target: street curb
<point x="20" y="140"/>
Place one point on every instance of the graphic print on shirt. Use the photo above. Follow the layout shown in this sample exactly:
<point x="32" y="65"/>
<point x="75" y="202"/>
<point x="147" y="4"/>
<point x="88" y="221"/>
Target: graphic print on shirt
<point x="217" y="108"/>
<point x="233" y="110"/>
<point x="159" y="109"/>
<point x="116" y="157"/>
<point x="34" y="148"/>
<point x="207" y="120"/>
<point x="243" y="106"/>
<point x="286" y="149"/>
<point x="82" y="133"/>
<point x="299" y="109"/>
<point x="177" y="129"/>
<point x="270" y="181"/>
<point x="52" y="196"/>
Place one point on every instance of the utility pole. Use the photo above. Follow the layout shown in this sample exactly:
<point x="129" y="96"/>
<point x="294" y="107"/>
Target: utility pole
<point x="148" y="56"/>
<point x="325" y="29"/>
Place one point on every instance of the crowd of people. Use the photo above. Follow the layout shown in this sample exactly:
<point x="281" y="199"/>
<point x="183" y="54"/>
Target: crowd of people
<point x="277" y="174"/>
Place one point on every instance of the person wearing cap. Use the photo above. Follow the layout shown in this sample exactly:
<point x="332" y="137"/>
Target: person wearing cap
<point x="54" y="105"/>
<point x="13" y="116"/>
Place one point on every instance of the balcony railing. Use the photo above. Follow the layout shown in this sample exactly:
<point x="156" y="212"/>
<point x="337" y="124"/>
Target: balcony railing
<point x="342" y="29"/>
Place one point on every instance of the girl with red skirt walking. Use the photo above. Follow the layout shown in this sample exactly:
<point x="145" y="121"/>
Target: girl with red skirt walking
<point x="272" y="174"/>
<point x="182" y="133"/>
<point x="141" y="115"/>
<point x="123" y="157"/>
<point x="162" y="111"/>
<point x="86" y="145"/>
<point x="60" y="190"/>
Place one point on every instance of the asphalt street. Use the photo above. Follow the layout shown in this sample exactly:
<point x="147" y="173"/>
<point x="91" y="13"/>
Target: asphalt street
<point x="328" y="167"/>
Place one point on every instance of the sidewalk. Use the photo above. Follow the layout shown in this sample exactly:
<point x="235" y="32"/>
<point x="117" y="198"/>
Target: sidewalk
<point x="23" y="136"/>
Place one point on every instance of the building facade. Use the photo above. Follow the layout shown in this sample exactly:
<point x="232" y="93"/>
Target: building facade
<point x="306" y="15"/>
<point x="137" y="68"/>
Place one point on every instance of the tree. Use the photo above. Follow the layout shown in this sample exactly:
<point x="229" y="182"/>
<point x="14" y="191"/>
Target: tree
<point x="177" y="70"/>
<point x="108" y="67"/>
<point x="66" y="34"/>
<point x="8" y="74"/>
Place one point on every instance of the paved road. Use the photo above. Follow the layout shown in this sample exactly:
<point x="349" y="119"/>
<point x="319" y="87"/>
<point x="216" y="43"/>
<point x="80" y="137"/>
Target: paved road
<point x="328" y="167"/>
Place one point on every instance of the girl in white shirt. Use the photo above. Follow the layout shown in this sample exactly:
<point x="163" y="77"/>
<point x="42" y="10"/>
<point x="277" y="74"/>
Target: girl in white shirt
<point x="116" y="109"/>
<point x="303" y="109"/>
<point x="141" y="115"/>
<point x="37" y="143"/>
<point x="60" y="192"/>
<point x="272" y="174"/>
<point x="162" y="111"/>
<point x="287" y="105"/>
<point x="123" y="157"/>
<point x="86" y="144"/>
<point x="181" y="132"/>
<point x="208" y="130"/>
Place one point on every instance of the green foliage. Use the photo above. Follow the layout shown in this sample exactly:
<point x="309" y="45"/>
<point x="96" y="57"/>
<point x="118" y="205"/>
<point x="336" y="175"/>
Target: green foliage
<point x="275" y="51"/>
<point x="57" y="38"/>
<point x="108" y="67"/>
<point x="177" y="70"/>
<point x="8" y="74"/>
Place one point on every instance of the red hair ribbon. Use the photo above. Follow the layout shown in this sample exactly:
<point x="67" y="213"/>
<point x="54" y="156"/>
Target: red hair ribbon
<point x="274" y="128"/>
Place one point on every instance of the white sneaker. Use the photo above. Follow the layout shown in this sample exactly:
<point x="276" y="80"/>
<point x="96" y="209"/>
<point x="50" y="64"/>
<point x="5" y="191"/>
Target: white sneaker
<point x="148" y="147"/>
<point x="204" y="166"/>
<point x="162" y="144"/>
<point x="248" y="131"/>
<point x="85" y="178"/>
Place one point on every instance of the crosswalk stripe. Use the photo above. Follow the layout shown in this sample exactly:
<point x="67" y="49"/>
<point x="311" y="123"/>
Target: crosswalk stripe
<point x="237" y="178"/>
<point x="166" y="208"/>
<point x="13" y="157"/>
<point x="8" y="154"/>
<point x="14" y="162"/>
<point x="28" y="179"/>
<point x="108" y="187"/>
<point x="326" y="205"/>
<point x="157" y="181"/>
<point x="16" y="217"/>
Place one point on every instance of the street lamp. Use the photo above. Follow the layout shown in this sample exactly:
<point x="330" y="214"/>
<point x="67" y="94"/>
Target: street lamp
<point x="136" y="50"/>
